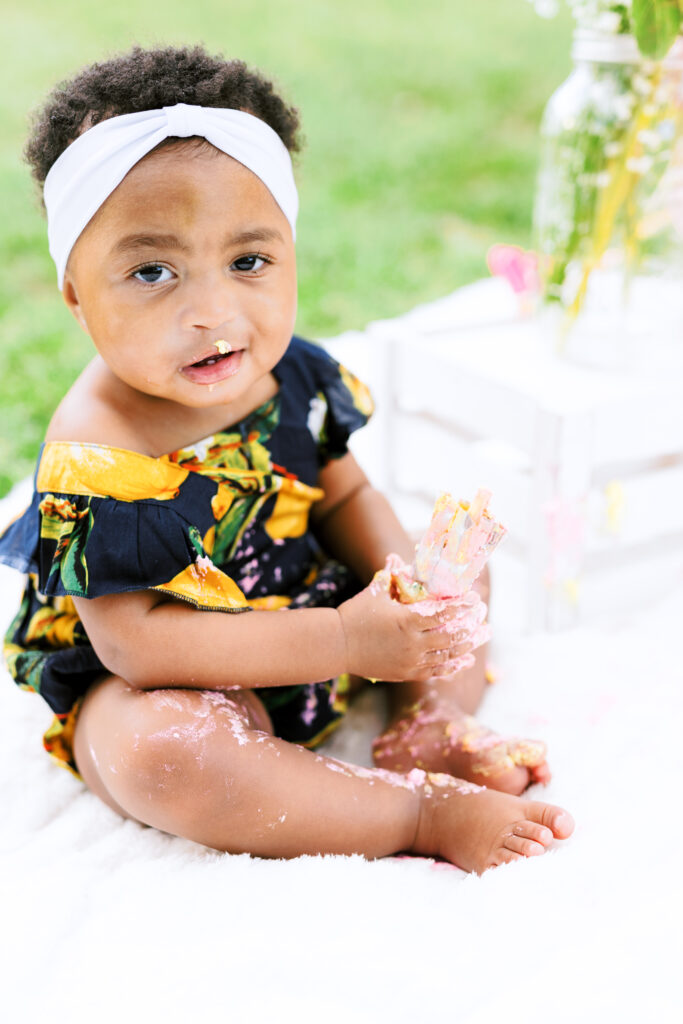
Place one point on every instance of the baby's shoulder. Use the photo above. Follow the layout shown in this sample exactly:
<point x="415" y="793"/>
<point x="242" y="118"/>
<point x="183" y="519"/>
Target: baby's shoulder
<point x="90" y="425"/>
<point x="90" y="414"/>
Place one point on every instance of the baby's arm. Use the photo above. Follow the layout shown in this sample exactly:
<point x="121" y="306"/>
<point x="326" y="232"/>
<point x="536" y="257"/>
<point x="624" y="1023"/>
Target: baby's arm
<point x="355" y="523"/>
<point x="151" y="641"/>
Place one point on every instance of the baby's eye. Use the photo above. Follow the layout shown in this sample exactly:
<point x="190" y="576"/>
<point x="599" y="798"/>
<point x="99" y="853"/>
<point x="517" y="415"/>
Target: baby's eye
<point x="153" y="273"/>
<point x="248" y="264"/>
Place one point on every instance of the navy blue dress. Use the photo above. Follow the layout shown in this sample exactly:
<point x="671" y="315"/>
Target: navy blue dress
<point x="222" y="524"/>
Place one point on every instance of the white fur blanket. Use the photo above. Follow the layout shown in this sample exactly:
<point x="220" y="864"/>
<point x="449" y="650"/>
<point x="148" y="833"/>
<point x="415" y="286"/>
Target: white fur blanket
<point x="103" y="920"/>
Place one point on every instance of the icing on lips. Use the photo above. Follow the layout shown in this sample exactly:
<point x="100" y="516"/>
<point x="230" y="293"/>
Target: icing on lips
<point x="213" y="367"/>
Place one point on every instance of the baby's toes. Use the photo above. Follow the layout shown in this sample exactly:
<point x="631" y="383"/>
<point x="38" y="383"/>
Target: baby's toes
<point x="559" y="821"/>
<point x="505" y="856"/>
<point x="541" y="774"/>
<point x="523" y="846"/>
<point x="504" y="778"/>
<point x="533" y="831"/>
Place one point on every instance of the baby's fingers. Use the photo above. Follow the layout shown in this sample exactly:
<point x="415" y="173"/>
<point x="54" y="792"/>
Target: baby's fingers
<point x="442" y="657"/>
<point x="442" y="618"/>
<point x="451" y="667"/>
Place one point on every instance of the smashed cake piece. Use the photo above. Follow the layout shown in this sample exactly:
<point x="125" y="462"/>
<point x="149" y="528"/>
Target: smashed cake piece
<point x="453" y="551"/>
<point x="456" y="546"/>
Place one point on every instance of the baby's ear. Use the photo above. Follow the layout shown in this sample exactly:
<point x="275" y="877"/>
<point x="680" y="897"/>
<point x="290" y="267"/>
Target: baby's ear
<point x="70" y="296"/>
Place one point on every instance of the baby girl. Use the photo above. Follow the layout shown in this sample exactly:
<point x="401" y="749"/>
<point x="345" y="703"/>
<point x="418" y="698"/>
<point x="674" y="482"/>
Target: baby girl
<point x="200" y="546"/>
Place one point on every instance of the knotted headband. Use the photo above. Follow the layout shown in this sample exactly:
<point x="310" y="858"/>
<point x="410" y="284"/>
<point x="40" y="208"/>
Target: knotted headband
<point x="88" y="170"/>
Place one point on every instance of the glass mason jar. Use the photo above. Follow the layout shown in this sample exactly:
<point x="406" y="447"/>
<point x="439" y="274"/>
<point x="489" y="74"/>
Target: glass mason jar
<point x="608" y="216"/>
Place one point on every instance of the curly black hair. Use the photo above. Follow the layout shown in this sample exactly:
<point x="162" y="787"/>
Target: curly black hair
<point x="145" y="80"/>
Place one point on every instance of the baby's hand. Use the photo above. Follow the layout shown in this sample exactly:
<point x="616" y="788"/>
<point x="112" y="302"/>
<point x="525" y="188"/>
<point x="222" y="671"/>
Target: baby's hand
<point x="392" y="641"/>
<point x="468" y="623"/>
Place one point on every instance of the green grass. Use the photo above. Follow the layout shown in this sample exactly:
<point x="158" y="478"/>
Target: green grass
<point x="421" y="126"/>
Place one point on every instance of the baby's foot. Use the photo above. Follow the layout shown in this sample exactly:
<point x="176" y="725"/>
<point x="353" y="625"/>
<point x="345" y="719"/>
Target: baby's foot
<point x="477" y="828"/>
<point x="499" y="762"/>
<point x="444" y="739"/>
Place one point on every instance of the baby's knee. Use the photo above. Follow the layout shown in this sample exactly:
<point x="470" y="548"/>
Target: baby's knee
<point x="162" y="755"/>
<point x="156" y="773"/>
<point x="141" y="754"/>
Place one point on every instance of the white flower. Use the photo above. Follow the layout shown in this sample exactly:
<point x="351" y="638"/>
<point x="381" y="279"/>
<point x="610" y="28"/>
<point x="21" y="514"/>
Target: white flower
<point x="641" y="85"/>
<point x="612" y="149"/>
<point x="570" y="286"/>
<point x="546" y="8"/>
<point x="649" y="139"/>
<point x="316" y="416"/>
<point x="623" y="106"/>
<point x="602" y="96"/>
<point x="609" y="21"/>
<point x="666" y="130"/>
<point x="598" y="180"/>
<point x="639" y="165"/>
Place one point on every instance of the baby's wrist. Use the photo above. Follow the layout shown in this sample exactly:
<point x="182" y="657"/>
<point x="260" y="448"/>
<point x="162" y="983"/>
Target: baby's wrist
<point x="339" y="643"/>
<point x="343" y="641"/>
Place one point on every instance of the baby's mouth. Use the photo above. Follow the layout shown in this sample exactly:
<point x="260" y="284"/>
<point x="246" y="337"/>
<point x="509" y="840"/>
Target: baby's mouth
<point x="210" y="360"/>
<point x="213" y="368"/>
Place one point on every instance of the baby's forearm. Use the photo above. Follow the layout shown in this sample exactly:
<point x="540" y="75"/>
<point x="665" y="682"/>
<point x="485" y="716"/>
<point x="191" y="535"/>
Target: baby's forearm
<point x="169" y="644"/>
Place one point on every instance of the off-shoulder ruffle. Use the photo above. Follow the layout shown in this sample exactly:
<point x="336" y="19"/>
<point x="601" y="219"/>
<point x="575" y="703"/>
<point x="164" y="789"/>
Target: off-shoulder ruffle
<point x="85" y="546"/>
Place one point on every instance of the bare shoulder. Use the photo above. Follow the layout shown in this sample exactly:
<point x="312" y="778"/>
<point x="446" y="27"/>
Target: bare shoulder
<point x="92" y="413"/>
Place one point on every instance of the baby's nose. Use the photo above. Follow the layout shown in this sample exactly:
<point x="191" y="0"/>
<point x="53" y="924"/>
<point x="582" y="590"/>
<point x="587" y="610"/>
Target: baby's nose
<point x="210" y="302"/>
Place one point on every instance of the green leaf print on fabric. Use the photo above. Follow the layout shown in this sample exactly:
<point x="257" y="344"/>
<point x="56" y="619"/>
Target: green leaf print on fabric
<point x="63" y="521"/>
<point x="231" y="528"/>
<point x="265" y="419"/>
<point x="196" y="541"/>
<point x="74" y="568"/>
<point x="246" y="468"/>
<point x="235" y="454"/>
<point x="223" y="453"/>
<point x="26" y="668"/>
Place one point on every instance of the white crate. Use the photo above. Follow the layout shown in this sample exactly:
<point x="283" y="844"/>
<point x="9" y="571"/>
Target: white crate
<point x="586" y="466"/>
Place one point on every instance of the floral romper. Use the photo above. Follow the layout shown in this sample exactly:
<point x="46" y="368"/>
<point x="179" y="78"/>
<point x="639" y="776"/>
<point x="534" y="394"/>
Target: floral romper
<point x="222" y="524"/>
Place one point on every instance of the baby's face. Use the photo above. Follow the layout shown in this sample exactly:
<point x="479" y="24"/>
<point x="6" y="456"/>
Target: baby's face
<point x="191" y="249"/>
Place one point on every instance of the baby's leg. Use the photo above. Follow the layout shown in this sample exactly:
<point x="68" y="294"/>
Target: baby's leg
<point x="205" y="765"/>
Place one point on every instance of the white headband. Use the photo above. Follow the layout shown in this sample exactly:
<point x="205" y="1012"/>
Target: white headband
<point x="88" y="170"/>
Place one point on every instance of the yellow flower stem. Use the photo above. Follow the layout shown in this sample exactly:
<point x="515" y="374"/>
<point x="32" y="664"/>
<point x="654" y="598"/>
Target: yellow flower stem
<point x="613" y="198"/>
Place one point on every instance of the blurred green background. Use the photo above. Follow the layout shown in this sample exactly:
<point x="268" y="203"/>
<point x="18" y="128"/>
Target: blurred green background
<point x="421" y="125"/>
